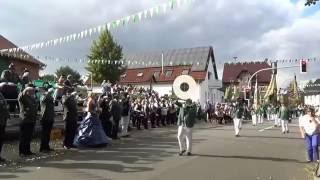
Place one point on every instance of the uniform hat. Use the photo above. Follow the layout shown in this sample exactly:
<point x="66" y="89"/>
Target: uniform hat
<point x="188" y="101"/>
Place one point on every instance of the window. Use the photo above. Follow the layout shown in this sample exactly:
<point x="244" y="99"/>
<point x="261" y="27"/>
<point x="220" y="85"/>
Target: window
<point x="168" y="73"/>
<point x="209" y="75"/>
<point x="123" y="75"/>
<point x="156" y="74"/>
<point x="140" y="74"/>
<point x="185" y="72"/>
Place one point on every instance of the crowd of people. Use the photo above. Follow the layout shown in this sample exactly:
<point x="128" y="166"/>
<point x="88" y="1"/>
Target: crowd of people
<point x="119" y="107"/>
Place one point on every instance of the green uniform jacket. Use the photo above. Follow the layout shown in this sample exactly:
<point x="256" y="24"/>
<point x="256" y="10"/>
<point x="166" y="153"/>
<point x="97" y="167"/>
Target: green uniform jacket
<point x="284" y="113"/>
<point x="28" y="108"/>
<point x="239" y="111"/>
<point x="47" y="108"/>
<point x="187" y="116"/>
<point x="4" y="113"/>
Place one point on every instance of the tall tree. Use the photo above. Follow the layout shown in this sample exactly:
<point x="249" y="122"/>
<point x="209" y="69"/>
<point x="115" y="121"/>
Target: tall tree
<point x="311" y="2"/>
<point x="66" y="70"/>
<point x="105" y="59"/>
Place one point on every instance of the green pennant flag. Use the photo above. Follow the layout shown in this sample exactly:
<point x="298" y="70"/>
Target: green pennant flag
<point x="173" y="4"/>
<point x="135" y="17"/>
<point x="157" y="10"/>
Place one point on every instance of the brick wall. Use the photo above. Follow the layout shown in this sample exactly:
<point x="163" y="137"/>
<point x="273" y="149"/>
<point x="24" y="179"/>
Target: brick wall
<point x="33" y="68"/>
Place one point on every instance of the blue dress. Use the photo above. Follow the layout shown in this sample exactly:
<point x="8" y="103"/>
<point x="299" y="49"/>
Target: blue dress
<point x="90" y="133"/>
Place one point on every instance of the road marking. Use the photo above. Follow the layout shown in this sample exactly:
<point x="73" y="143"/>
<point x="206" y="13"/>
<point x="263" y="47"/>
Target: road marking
<point x="270" y="127"/>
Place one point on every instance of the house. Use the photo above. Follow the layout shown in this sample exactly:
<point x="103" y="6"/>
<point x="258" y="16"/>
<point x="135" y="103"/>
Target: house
<point x="21" y="59"/>
<point x="160" y="69"/>
<point x="312" y="93"/>
<point x="238" y="74"/>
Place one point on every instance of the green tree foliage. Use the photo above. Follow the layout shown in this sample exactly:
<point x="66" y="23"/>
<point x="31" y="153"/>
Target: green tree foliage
<point x="66" y="70"/>
<point x="48" y="77"/>
<point x="311" y="2"/>
<point x="105" y="59"/>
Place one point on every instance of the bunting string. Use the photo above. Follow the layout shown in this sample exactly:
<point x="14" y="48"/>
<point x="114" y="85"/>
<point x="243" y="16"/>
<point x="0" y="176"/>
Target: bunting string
<point x="137" y="17"/>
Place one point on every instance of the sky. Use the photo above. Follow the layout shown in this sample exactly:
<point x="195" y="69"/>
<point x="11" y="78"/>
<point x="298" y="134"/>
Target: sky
<point x="248" y="29"/>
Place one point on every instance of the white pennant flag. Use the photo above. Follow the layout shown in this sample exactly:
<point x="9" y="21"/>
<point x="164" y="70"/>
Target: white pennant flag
<point x="94" y="30"/>
<point x="85" y="33"/>
<point x="145" y="13"/>
<point x="90" y="31"/>
<point x="164" y="8"/>
<point x="140" y="15"/>
<point x="108" y="26"/>
<point x="60" y="40"/>
<point x="178" y="3"/>
<point x="67" y="39"/>
<point x="82" y="33"/>
<point x="41" y="45"/>
<point x="99" y="29"/>
<point x="151" y="12"/>
<point x="128" y="19"/>
<point x="103" y="28"/>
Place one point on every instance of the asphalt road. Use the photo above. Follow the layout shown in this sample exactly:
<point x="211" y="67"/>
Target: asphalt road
<point x="152" y="155"/>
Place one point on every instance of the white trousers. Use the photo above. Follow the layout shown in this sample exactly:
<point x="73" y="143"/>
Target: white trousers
<point x="276" y="120"/>
<point x="260" y="119"/>
<point x="185" y="138"/>
<point x="254" y="119"/>
<point x="237" y="125"/>
<point x="284" y="125"/>
<point x="269" y="116"/>
<point x="124" y="125"/>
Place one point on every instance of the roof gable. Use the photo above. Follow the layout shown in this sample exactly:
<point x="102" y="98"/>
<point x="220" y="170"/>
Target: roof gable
<point x="6" y="44"/>
<point x="232" y="71"/>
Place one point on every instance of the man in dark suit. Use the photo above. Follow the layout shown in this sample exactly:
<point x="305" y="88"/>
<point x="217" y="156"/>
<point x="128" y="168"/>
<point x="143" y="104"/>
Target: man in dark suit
<point x="4" y="115"/>
<point x="28" y="114"/>
<point x="70" y="117"/>
<point x="116" y="116"/>
<point x="47" y="120"/>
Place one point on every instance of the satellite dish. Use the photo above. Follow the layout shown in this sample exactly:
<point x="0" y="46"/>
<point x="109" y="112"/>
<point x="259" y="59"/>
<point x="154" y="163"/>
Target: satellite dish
<point x="184" y="87"/>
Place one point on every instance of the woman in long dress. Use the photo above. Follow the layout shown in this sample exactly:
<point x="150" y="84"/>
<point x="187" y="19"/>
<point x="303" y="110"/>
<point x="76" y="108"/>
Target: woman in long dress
<point x="90" y="132"/>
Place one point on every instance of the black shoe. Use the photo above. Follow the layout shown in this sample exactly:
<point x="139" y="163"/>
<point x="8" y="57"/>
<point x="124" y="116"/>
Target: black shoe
<point x="48" y="150"/>
<point x="287" y="131"/>
<point x="126" y="136"/>
<point x="189" y="154"/>
<point x="2" y="160"/>
<point x="237" y="135"/>
<point x="283" y="132"/>
<point x="27" y="154"/>
<point x="182" y="152"/>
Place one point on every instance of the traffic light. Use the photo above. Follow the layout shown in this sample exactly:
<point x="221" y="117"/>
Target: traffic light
<point x="247" y="94"/>
<point x="303" y="66"/>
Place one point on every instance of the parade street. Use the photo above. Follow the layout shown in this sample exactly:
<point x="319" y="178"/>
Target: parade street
<point x="261" y="152"/>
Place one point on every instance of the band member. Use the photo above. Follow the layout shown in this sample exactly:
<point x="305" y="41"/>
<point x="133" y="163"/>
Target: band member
<point x="4" y="115"/>
<point x="116" y="116"/>
<point x="186" y="120"/>
<point x="10" y="75"/>
<point x="284" y="117"/>
<point x="47" y="120"/>
<point x="238" y="114"/>
<point x="254" y="116"/>
<point x="105" y="115"/>
<point x="125" y="115"/>
<point x="276" y="118"/>
<point x="309" y="125"/>
<point x="28" y="114"/>
<point x="70" y="117"/>
<point x="260" y="114"/>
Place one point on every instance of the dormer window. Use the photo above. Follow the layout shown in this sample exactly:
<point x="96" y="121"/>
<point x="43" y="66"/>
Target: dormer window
<point x="140" y="74"/>
<point x="156" y="74"/>
<point x="169" y="73"/>
<point x="185" y="72"/>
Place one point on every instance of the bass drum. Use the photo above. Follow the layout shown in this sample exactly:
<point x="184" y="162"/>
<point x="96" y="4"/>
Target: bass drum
<point x="10" y="91"/>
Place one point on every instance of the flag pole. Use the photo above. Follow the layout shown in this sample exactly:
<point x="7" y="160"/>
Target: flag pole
<point x="162" y="63"/>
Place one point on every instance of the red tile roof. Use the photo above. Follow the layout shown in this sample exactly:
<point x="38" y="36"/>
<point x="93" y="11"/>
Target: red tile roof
<point x="6" y="44"/>
<point x="132" y="78"/>
<point x="233" y="70"/>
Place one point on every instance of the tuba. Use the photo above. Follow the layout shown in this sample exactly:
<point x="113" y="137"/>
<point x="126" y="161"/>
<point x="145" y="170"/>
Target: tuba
<point x="184" y="87"/>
